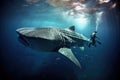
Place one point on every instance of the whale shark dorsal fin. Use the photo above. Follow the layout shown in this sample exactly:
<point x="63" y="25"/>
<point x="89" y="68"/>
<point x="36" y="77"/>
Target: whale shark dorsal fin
<point x="72" y="28"/>
<point x="68" y="53"/>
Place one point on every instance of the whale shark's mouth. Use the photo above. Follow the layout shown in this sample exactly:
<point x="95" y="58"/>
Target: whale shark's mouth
<point x="22" y="40"/>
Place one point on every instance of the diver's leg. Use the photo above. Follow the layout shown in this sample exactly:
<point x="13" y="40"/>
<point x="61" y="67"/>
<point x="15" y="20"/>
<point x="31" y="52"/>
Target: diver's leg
<point x="95" y="44"/>
<point x="89" y="45"/>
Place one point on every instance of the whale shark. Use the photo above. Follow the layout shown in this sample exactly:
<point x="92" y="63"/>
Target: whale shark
<point x="53" y="39"/>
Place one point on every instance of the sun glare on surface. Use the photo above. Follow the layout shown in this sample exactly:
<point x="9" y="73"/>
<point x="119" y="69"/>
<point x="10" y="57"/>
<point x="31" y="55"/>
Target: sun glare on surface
<point x="81" y="21"/>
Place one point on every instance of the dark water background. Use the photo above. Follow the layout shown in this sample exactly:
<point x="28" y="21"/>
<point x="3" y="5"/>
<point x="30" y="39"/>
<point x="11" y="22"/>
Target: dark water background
<point x="21" y="63"/>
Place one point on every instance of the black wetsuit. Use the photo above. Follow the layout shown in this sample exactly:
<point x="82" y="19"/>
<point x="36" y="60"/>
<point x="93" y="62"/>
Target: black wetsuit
<point x="93" y="40"/>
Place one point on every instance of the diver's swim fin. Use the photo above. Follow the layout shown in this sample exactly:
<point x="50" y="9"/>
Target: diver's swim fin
<point x="99" y="42"/>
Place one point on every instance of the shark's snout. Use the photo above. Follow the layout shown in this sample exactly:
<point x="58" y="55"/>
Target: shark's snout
<point x="22" y="38"/>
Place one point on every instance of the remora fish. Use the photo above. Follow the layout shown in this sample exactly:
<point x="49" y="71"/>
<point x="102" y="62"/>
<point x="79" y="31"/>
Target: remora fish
<point x="51" y="39"/>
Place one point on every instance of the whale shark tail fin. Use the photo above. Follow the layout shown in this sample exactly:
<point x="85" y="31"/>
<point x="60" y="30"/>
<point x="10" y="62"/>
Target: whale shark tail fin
<point x="68" y="53"/>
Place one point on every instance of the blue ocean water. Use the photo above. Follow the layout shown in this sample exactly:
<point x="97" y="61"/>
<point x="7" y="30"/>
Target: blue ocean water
<point x="22" y="63"/>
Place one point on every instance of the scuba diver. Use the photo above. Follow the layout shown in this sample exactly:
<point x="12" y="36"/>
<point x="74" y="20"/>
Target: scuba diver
<point x="93" y="40"/>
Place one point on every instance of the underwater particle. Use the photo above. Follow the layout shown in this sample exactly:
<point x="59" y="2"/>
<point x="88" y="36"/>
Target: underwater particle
<point x="86" y="55"/>
<point x="82" y="58"/>
<point x="58" y="58"/>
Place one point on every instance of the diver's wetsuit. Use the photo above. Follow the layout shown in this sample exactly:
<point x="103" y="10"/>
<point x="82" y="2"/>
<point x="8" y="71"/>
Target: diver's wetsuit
<point x="93" y="39"/>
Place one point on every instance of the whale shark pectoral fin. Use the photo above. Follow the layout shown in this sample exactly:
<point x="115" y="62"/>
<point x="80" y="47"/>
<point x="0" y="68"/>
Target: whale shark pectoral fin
<point x="82" y="48"/>
<point x="68" y="53"/>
